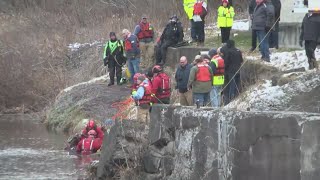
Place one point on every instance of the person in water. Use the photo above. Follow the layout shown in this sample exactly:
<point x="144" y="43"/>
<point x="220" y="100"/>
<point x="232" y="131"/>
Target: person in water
<point x="89" y="145"/>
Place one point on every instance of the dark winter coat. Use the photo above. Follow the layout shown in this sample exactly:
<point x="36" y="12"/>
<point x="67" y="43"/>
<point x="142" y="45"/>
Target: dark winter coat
<point x="182" y="78"/>
<point x="310" y="29"/>
<point x="232" y="58"/>
<point x="135" y="50"/>
<point x="173" y="32"/>
<point x="277" y="8"/>
<point x="263" y="17"/>
<point x="252" y="5"/>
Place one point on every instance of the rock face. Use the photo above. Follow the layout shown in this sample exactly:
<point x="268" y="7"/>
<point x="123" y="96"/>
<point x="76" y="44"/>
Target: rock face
<point x="188" y="143"/>
<point x="87" y="100"/>
<point x="122" y="150"/>
<point x="211" y="144"/>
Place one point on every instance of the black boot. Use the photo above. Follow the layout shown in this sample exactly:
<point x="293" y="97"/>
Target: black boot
<point x="311" y="64"/>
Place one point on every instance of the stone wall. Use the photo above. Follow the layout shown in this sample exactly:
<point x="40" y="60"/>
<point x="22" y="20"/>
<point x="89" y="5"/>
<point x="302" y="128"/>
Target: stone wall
<point x="214" y="144"/>
<point x="207" y="143"/>
<point x="174" y="54"/>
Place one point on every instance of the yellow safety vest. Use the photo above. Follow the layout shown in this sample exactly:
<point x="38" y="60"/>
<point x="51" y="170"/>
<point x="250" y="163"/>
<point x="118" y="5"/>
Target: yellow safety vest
<point x="188" y="7"/>
<point x="217" y="80"/>
<point x="225" y="16"/>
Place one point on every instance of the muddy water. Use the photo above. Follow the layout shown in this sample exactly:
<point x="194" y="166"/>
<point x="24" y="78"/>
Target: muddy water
<point x="29" y="151"/>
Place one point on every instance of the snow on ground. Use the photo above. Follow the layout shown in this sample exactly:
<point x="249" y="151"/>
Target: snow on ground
<point x="101" y="78"/>
<point x="76" y="46"/>
<point x="288" y="60"/>
<point x="266" y="97"/>
<point x="241" y="25"/>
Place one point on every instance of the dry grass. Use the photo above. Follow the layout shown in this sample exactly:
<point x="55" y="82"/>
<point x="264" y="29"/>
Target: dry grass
<point x="34" y="36"/>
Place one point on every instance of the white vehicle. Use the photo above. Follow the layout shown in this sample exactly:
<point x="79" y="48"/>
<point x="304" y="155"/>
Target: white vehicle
<point x="300" y="7"/>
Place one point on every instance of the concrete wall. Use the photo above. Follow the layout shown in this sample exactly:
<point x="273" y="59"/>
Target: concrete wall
<point x="289" y="34"/>
<point x="233" y="145"/>
<point x="174" y="54"/>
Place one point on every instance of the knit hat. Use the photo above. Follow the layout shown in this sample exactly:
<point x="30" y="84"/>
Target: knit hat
<point x="144" y="16"/>
<point x="205" y="57"/>
<point x="225" y="1"/>
<point x="197" y="57"/>
<point x="112" y="34"/>
<point x="212" y="52"/>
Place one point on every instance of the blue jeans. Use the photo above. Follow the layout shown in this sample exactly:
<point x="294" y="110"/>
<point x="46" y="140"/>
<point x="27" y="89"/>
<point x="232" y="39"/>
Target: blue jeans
<point x="133" y="66"/>
<point x="274" y="37"/>
<point x="234" y="87"/>
<point x="264" y="45"/>
<point x="215" y="96"/>
<point x="203" y="98"/>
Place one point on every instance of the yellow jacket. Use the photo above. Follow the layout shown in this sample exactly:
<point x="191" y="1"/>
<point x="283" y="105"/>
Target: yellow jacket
<point x="225" y="16"/>
<point x="188" y="7"/>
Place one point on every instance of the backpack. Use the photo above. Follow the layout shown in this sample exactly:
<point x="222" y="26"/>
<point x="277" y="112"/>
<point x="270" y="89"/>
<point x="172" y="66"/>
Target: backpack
<point x="165" y="87"/>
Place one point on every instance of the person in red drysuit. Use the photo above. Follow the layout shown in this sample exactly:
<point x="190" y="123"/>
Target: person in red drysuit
<point x="90" y="144"/>
<point x="92" y="126"/>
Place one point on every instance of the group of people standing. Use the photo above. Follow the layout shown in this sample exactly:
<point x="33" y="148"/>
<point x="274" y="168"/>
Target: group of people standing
<point x="208" y="77"/>
<point x="140" y="47"/>
<point x="197" y="10"/>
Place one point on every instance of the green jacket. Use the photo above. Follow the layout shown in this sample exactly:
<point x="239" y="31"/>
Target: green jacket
<point x="188" y="7"/>
<point x="225" y="16"/>
<point x="198" y="86"/>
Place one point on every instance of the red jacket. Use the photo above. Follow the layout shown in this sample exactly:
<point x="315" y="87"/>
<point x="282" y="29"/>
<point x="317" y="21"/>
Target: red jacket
<point x="100" y="133"/>
<point x="89" y="145"/>
<point x="156" y="88"/>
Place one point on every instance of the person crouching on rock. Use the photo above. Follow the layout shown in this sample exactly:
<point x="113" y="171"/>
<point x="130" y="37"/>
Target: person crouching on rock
<point x="91" y="125"/>
<point x="113" y="56"/>
<point x="89" y="145"/>
<point x="161" y="85"/>
<point x="143" y="98"/>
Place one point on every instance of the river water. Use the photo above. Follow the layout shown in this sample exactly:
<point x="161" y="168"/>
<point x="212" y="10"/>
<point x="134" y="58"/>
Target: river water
<point x="29" y="151"/>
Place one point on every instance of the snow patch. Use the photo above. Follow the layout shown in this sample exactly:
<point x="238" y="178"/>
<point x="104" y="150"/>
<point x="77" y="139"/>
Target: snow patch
<point x="241" y="25"/>
<point x="264" y="96"/>
<point x="101" y="78"/>
<point x="285" y="61"/>
<point x="76" y="46"/>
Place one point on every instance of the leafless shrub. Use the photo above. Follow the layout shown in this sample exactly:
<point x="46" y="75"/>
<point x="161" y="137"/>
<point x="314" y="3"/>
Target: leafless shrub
<point x="34" y="36"/>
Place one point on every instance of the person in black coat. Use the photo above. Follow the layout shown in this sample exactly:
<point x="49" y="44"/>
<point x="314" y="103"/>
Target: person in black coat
<point x="172" y="35"/>
<point x="233" y="61"/>
<point x="274" y="35"/>
<point x="310" y="33"/>
<point x="252" y="6"/>
<point x="182" y="78"/>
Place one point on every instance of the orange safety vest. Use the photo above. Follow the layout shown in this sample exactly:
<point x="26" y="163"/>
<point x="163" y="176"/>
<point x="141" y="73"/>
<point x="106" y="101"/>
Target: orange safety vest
<point x="203" y="74"/>
<point x="146" y="31"/>
<point x="197" y="8"/>
<point x="146" y="99"/>
<point x="219" y="62"/>
<point x="218" y="76"/>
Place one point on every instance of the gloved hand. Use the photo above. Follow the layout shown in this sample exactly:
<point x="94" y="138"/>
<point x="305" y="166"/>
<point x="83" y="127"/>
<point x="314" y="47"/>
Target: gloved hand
<point x="300" y="43"/>
<point x="134" y="92"/>
<point x="267" y="29"/>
